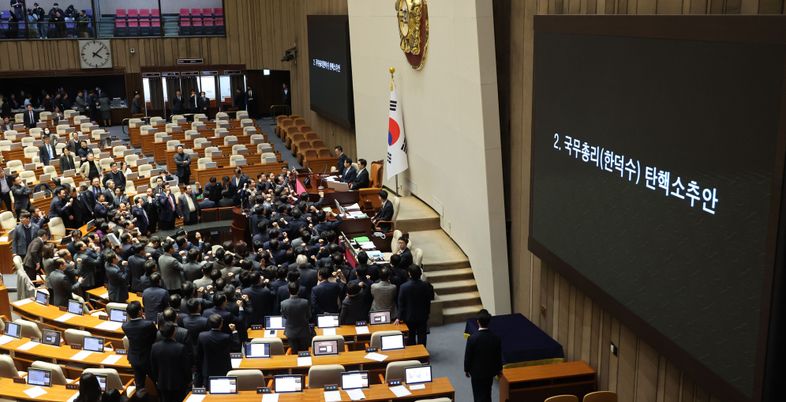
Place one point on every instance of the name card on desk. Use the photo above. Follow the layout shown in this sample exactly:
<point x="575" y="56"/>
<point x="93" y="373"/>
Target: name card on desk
<point x="328" y="331"/>
<point x="378" y="357"/>
<point x="28" y="346"/>
<point x="270" y="334"/>
<point x="332" y="396"/>
<point x="22" y="302"/>
<point x="109" y="326"/>
<point x="304" y="361"/>
<point x="355" y="394"/>
<point x="195" y="397"/>
<point x="111" y="359"/>
<point x="5" y="339"/>
<point x="362" y="330"/>
<point x="270" y="398"/>
<point x="34" y="392"/>
<point x="400" y="391"/>
<point x="65" y="317"/>
<point x="81" y="355"/>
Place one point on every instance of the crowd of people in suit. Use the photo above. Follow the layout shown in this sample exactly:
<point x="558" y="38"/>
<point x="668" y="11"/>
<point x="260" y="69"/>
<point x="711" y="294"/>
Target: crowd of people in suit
<point x="95" y="103"/>
<point x="44" y="24"/>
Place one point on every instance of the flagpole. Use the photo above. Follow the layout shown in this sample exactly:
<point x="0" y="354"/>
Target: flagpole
<point x="392" y="73"/>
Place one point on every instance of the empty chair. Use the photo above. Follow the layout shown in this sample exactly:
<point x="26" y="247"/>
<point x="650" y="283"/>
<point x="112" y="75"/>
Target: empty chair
<point x="248" y="380"/>
<point x="15" y="165"/>
<point x="159" y="136"/>
<point x="30" y="152"/>
<point x="28" y="176"/>
<point x="73" y="336"/>
<point x="112" y="378"/>
<point x="105" y="162"/>
<point x="311" y="136"/>
<point x="199" y="143"/>
<point x="210" y="150"/>
<point x="176" y="118"/>
<point x="131" y="160"/>
<point x="85" y="128"/>
<point x="171" y="145"/>
<point x="144" y="170"/>
<point x="338" y="338"/>
<point x="417" y="256"/>
<point x="147" y="129"/>
<point x="58" y="378"/>
<point x="130" y="188"/>
<point x="28" y="141"/>
<point x="156" y="120"/>
<point x="562" y="398"/>
<point x="250" y="130"/>
<point x="239" y="148"/>
<point x="10" y="135"/>
<point x="59" y="147"/>
<point x="7" y="221"/>
<point x="246" y="122"/>
<point x="264" y="147"/>
<point x="119" y="150"/>
<point x="326" y="374"/>
<point x="37" y="132"/>
<point x="237" y="160"/>
<point x="50" y="170"/>
<point x="276" y="345"/>
<point x="222" y="116"/>
<point x="395" y="370"/>
<point x="230" y="140"/>
<point x="19" y="118"/>
<point x="200" y="117"/>
<point x="7" y="367"/>
<point x="202" y="163"/>
<point x="257" y="139"/>
<point x="29" y="329"/>
<point x="191" y="134"/>
<point x="134" y="122"/>
<point x="5" y="145"/>
<point x="57" y="228"/>
<point x="240" y="115"/>
<point x="601" y="396"/>
<point x="98" y="135"/>
<point x="68" y="180"/>
<point x="268" y="157"/>
<point x="116" y="306"/>
<point x="376" y="338"/>
<point x="220" y="132"/>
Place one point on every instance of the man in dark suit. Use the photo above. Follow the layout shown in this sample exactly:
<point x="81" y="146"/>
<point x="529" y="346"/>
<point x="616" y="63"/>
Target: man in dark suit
<point x="341" y="158"/>
<point x="67" y="160"/>
<point x="168" y="209"/>
<point x="414" y="306"/>
<point x="155" y="298"/>
<point x="21" y="196"/>
<point x="261" y="298"/>
<point x="136" y="267"/>
<point x="178" y="103"/>
<point x="385" y="213"/>
<point x="355" y="306"/>
<point x="47" y="151"/>
<point x="194" y="322"/>
<point x="60" y="206"/>
<point x="33" y="260"/>
<point x="362" y="179"/>
<point x="483" y="358"/>
<point x="220" y="308"/>
<point x="183" y="163"/>
<point x="117" y="177"/>
<point x="298" y="314"/>
<point x="193" y="102"/>
<point x="24" y="233"/>
<point x="350" y="173"/>
<point x="117" y="281"/>
<point x="141" y="334"/>
<point x="188" y="207"/>
<point x="203" y="104"/>
<point x="140" y="213"/>
<point x="213" y="349"/>
<point x="30" y="117"/>
<point x="6" y="184"/>
<point x="326" y="296"/>
<point x="61" y="283"/>
<point x="170" y="365"/>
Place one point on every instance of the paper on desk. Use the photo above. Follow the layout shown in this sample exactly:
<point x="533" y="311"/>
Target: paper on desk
<point x="267" y="398"/>
<point x="65" y="317"/>
<point x="332" y="396"/>
<point x="357" y="215"/>
<point x="111" y="359"/>
<point x="22" y="302"/>
<point x="104" y="295"/>
<point x="400" y="391"/>
<point x="109" y="325"/>
<point x="376" y="357"/>
<point x="235" y="363"/>
<point x="304" y="361"/>
<point x="196" y="398"/>
<point x="353" y="207"/>
<point x="270" y="334"/>
<point x="416" y="387"/>
<point x="81" y="355"/>
<point x="328" y="331"/>
<point x="35" y="392"/>
<point x="355" y="394"/>
<point x="3" y="238"/>
<point x="369" y="245"/>
<point x="5" y="339"/>
<point x="362" y="330"/>
<point x="28" y="345"/>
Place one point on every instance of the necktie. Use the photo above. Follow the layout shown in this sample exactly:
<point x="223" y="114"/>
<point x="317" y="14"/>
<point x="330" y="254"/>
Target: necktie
<point x="171" y="203"/>
<point x="144" y="213"/>
<point x="32" y="120"/>
<point x="190" y="202"/>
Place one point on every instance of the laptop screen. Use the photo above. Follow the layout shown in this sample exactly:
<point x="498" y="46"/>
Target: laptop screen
<point x="101" y="382"/>
<point x="379" y="317"/>
<point x="117" y="315"/>
<point x="39" y="377"/>
<point x="41" y="297"/>
<point x="93" y="344"/>
<point x="325" y="348"/>
<point x="354" y="379"/>
<point x="418" y="375"/>
<point x="288" y="383"/>
<point x="257" y="349"/>
<point x="75" y="307"/>
<point x="392" y="342"/>
<point x="50" y="337"/>
<point x="327" y="321"/>
<point x="275" y="322"/>
<point x="13" y="330"/>
<point x="223" y="385"/>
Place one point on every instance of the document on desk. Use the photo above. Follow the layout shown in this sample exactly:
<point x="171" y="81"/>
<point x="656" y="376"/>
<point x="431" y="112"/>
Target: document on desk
<point x="332" y="396"/>
<point x="400" y="391"/>
<point x="22" y="302"/>
<point x="304" y="361"/>
<point x="5" y="339"/>
<point x="34" y="392"/>
<point x="109" y="325"/>
<point x="377" y="357"/>
<point x="28" y="346"/>
<point x="199" y="398"/>
<point x="369" y="245"/>
<point x="104" y="295"/>
<point x="266" y="398"/>
<point x="65" y="317"/>
<point x="353" y="207"/>
<point x="355" y="394"/>
<point x="362" y="330"/>
<point x="235" y="363"/>
<point x="81" y="355"/>
<point x="417" y="387"/>
<point x="329" y="331"/>
<point x="111" y="359"/>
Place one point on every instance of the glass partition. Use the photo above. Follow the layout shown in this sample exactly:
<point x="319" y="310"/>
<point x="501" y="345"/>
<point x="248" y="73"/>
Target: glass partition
<point x="121" y="18"/>
<point x="43" y="19"/>
<point x="194" y="17"/>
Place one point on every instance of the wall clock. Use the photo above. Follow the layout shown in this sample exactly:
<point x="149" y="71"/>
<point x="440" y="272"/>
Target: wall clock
<point x="95" y="53"/>
<point x="412" y="18"/>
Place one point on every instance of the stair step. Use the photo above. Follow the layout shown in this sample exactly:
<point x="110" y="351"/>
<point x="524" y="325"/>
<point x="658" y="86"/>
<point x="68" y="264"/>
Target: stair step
<point x="418" y="224"/>
<point x="441" y="266"/>
<point x="449" y="275"/>
<point x="449" y="287"/>
<point x="460" y="314"/>
<point x="460" y="299"/>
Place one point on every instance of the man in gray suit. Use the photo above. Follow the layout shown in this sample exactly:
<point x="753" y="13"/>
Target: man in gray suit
<point x="62" y="286"/>
<point x="192" y="269"/>
<point x="33" y="260"/>
<point x="188" y="207"/>
<point x="384" y="294"/>
<point x="171" y="270"/>
<point x="298" y="314"/>
<point x="24" y="234"/>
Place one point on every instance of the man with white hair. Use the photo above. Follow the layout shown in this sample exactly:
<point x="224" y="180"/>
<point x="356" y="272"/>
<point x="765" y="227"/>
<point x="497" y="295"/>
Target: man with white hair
<point x="189" y="206"/>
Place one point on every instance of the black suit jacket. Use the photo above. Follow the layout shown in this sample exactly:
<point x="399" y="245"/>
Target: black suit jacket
<point x="136" y="268"/>
<point x="213" y="349"/>
<point x="483" y="355"/>
<point x="414" y="301"/>
<point x="170" y="365"/>
<point x="325" y="298"/>
<point x="61" y="288"/>
<point x="361" y="180"/>
<point x="340" y="164"/>
<point x="28" y="122"/>
<point x="193" y="104"/>
<point x="141" y="336"/>
<point x="177" y="105"/>
<point x="195" y="324"/>
<point x="155" y="299"/>
<point x="263" y="303"/>
<point x="117" y="283"/>
<point x="43" y="154"/>
<point x="67" y="162"/>
<point x="349" y="175"/>
<point x="385" y="214"/>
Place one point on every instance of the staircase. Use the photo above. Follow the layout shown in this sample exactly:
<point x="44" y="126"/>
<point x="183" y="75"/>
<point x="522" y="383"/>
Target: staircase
<point x="444" y="264"/>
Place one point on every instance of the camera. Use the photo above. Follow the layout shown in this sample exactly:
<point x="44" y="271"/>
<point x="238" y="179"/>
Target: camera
<point x="290" y="54"/>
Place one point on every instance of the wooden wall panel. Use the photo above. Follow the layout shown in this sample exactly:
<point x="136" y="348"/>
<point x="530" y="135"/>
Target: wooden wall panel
<point x="637" y="373"/>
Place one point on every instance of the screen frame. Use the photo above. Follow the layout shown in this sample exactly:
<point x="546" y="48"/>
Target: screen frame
<point x="349" y="122"/>
<point x="386" y="313"/>
<point x="247" y="348"/>
<point x="103" y="347"/>
<point x="356" y="372"/>
<point x="275" y="377"/>
<point x="403" y="342"/>
<point x="716" y="29"/>
<point x="109" y="314"/>
<point x="225" y="377"/>
<point x="334" y="353"/>
<point x="46" y="297"/>
<point x="338" y="322"/>
<point x="81" y="307"/>
<point x="431" y="374"/>
<point x="17" y="326"/>
<point x="41" y="370"/>
<point x="267" y="321"/>
<point x="46" y="331"/>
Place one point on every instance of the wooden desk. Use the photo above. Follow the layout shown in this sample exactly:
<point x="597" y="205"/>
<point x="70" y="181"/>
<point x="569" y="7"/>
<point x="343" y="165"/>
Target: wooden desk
<point x="441" y="387"/>
<point x="536" y="383"/>
<point x="56" y="393"/>
<point x="203" y="175"/>
<point x="5" y="307"/>
<point x="102" y="294"/>
<point x="48" y="317"/>
<point x="64" y="354"/>
<point x="347" y="331"/>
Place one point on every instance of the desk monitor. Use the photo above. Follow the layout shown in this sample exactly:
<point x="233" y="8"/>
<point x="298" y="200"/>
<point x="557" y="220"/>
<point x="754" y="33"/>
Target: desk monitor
<point x="222" y="385"/>
<point x="379" y="317"/>
<point x="41" y="297"/>
<point x="256" y="350"/>
<point x="327" y="321"/>
<point x="288" y="383"/>
<point x="40" y="377"/>
<point x="91" y="224"/>
<point x="275" y="322"/>
<point x="101" y="382"/>
<point x="117" y="315"/>
<point x="354" y="379"/>
<point x="322" y="348"/>
<point x="13" y="330"/>
<point x="418" y="375"/>
<point x="392" y="342"/>
<point x="341" y="210"/>
<point x="75" y="307"/>
<point x="93" y="344"/>
<point x="50" y="337"/>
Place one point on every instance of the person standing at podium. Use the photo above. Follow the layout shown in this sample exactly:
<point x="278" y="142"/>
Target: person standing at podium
<point x="483" y="358"/>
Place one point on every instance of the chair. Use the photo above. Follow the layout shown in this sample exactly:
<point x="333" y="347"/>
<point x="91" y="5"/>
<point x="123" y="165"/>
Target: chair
<point x="222" y="116"/>
<point x="242" y="114"/>
<point x="105" y="163"/>
<point x="220" y="132"/>
<point x="57" y="228"/>
<point x="230" y="139"/>
<point x="10" y="134"/>
<point x="267" y="158"/>
<point x="116" y="306"/>
<point x="30" y="152"/>
<point x="396" y="370"/>
<point x="396" y="202"/>
<point x="28" y="176"/>
<point x="191" y="134"/>
<point x="144" y="170"/>
<point x="131" y="160"/>
<point x="326" y="374"/>
<point x="202" y="163"/>
<point x="257" y="139"/>
<point x="246" y="122"/>
<point x="73" y="336"/>
<point x="98" y="135"/>
<point x="7" y="367"/>
<point x="29" y="329"/>
<point x="58" y="378"/>
<point x="237" y="160"/>
<point x="199" y="117"/>
<point x="562" y="398"/>
<point x="5" y="145"/>
<point x="417" y="256"/>
<point x="338" y="338"/>
<point x="19" y="118"/>
<point x="264" y="147"/>
<point x="209" y="152"/>
<point x="15" y="165"/>
<point x="250" y="130"/>
<point x="199" y="142"/>
<point x="85" y="128"/>
<point x="276" y="345"/>
<point x="159" y="136"/>
<point x="112" y="377"/>
<point x="28" y="141"/>
<point x="171" y="145"/>
<point x="7" y="221"/>
<point x="600" y="396"/>
<point x="376" y="338"/>
<point x="130" y="188"/>
<point x="67" y="180"/>
<point x="238" y="149"/>
<point x="119" y="150"/>
<point x="248" y="380"/>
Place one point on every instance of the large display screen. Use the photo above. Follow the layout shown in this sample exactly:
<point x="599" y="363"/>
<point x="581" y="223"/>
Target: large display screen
<point x="329" y="68"/>
<point x="655" y="182"/>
